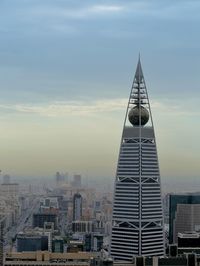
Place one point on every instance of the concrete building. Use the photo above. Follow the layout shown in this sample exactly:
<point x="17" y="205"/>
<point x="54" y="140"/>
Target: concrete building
<point x="184" y="214"/>
<point x="137" y="219"/>
<point x="48" y="258"/>
<point x="49" y="205"/>
<point x="63" y="259"/>
<point x="83" y="226"/>
<point x="92" y="259"/>
<point x="49" y="202"/>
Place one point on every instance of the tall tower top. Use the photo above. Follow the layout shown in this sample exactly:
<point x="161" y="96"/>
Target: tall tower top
<point x="138" y="110"/>
<point x="139" y="74"/>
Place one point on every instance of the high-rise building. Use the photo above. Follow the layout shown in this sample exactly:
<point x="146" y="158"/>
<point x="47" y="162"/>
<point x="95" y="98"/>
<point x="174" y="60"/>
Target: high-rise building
<point x="76" y="181"/>
<point x="184" y="214"/>
<point x="137" y="219"/>
<point x="60" y="179"/>
<point x="77" y="207"/>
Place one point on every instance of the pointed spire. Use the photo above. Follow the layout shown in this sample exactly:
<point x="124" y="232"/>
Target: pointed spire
<point x="139" y="73"/>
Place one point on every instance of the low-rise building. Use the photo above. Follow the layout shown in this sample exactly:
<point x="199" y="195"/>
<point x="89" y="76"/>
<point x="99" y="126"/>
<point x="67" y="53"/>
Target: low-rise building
<point x="63" y="259"/>
<point x="48" y="258"/>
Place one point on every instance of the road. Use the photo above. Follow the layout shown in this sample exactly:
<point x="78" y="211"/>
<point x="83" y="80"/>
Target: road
<point x="24" y="221"/>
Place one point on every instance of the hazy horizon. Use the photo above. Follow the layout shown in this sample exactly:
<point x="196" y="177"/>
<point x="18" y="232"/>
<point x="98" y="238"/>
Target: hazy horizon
<point x="66" y="70"/>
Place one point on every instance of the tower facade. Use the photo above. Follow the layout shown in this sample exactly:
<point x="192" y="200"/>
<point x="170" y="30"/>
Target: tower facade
<point x="137" y="221"/>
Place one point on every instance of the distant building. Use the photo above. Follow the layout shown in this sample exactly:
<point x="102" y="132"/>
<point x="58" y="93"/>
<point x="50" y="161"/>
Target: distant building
<point x="93" y="242"/>
<point x="83" y="226"/>
<point x="48" y="258"/>
<point x="184" y="214"/>
<point x="63" y="204"/>
<point x="6" y="179"/>
<point x="92" y="259"/>
<point x="75" y="246"/>
<point x="77" y="207"/>
<point x="77" y="181"/>
<point x="49" y="205"/>
<point x="49" y="226"/>
<point x="61" y="178"/>
<point x="9" y="189"/>
<point x="39" y="219"/>
<point x="97" y="205"/>
<point x="57" y="245"/>
<point x="189" y="240"/>
<point x="32" y="242"/>
<point x="24" y="202"/>
<point x="40" y="239"/>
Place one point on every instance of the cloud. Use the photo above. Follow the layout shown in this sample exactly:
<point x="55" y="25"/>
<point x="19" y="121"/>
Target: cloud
<point x="76" y="108"/>
<point x="105" y="8"/>
<point x="90" y="108"/>
<point x="176" y="107"/>
<point x="77" y="13"/>
<point x="147" y="9"/>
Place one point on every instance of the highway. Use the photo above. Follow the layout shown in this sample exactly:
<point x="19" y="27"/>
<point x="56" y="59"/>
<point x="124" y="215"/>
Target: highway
<point x="24" y="221"/>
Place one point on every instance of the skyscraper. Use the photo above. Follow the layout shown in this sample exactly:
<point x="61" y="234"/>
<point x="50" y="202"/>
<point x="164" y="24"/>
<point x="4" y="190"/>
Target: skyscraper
<point x="137" y="221"/>
<point x="77" y="207"/>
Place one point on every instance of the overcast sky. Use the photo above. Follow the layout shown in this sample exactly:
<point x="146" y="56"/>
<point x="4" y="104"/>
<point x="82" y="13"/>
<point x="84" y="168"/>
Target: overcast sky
<point x="66" y="69"/>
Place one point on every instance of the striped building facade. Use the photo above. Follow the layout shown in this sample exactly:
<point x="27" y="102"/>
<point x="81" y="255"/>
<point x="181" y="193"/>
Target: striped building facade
<point x="137" y="223"/>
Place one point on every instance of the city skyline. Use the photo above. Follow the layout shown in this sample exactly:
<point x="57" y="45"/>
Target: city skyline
<point x="65" y="72"/>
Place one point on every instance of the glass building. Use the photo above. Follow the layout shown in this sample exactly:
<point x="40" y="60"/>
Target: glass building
<point x="184" y="214"/>
<point x="77" y="207"/>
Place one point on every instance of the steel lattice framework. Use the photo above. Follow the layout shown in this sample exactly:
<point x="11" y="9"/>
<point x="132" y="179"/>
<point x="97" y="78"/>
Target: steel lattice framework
<point x="137" y="225"/>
